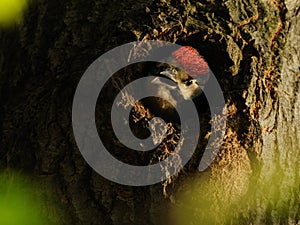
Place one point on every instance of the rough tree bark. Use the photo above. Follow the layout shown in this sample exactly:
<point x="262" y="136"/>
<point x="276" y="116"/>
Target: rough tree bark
<point x="253" y="49"/>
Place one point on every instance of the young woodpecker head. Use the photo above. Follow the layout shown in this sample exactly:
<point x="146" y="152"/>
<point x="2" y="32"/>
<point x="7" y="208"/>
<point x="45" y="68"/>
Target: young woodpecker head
<point x="183" y="82"/>
<point x="194" y="66"/>
<point x="188" y="87"/>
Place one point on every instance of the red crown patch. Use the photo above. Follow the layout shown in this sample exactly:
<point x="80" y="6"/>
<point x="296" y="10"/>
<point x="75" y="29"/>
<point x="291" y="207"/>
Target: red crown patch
<point x="189" y="58"/>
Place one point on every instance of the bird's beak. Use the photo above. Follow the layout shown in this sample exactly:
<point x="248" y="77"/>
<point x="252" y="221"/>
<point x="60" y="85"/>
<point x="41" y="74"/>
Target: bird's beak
<point x="159" y="82"/>
<point x="170" y="74"/>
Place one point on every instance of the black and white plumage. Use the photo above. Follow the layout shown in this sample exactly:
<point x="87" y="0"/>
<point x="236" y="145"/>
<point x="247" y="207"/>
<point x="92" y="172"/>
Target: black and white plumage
<point x="181" y="84"/>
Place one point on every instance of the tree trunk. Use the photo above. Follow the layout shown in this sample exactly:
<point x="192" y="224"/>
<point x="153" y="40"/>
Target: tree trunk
<point x="252" y="48"/>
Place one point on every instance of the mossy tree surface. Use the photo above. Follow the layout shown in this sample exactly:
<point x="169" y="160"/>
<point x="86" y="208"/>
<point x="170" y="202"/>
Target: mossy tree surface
<point x="252" y="48"/>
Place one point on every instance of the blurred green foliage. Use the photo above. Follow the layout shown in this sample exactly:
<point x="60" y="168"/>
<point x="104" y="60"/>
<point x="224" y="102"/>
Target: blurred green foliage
<point x="18" y="204"/>
<point x="11" y="11"/>
<point x="205" y="201"/>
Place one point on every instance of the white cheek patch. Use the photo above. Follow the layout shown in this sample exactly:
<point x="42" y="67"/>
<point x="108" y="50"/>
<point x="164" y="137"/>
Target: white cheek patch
<point x="190" y="92"/>
<point x="167" y="90"/>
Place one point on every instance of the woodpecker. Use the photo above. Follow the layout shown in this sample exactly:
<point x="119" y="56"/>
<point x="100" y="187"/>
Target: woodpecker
<point x="185" y="81"/>
<point x="182" y="82"/>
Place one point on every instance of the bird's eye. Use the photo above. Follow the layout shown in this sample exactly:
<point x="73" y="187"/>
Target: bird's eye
<point x="188" y="82"/>
<point x="174" y="71"/>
